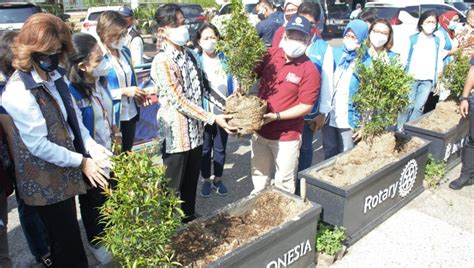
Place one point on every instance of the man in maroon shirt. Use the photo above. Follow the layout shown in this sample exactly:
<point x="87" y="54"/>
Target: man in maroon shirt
<point x="289" y="82"/>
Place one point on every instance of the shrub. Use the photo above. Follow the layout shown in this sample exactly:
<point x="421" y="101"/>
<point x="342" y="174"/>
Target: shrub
<point x="434" y="172"/>
<point x="141" y="214"/>
<point x="329" y="239"/>
<point x="455" y="73"/>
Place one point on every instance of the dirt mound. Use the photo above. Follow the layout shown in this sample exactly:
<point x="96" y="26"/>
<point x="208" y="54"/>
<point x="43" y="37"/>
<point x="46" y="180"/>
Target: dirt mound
<point x="247" y="112"/>
<point x="443" y="118"/>
<point x="202" y="242"/>
<point x="365" y="159"/>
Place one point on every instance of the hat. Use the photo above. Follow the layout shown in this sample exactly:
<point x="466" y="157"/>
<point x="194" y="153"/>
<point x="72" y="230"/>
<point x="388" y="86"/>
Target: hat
<point x="359" y="28"/>
<point x="125" y="11"/>
<point x="299" y="23"/>
<point x="297" y="3"/>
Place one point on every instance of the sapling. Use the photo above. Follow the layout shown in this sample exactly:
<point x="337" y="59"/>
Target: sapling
<point x="455" y="73"/>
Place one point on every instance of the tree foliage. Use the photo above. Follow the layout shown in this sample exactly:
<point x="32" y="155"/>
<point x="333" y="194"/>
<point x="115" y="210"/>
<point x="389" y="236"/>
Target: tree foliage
<point x="141" y="214"/>
<point x="455" y="73"/>
<point x="241" y="46"/>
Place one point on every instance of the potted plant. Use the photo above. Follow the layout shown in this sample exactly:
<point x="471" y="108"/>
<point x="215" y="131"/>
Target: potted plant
<point x="243" y="50"/>
<point x="329" y="245"/>
<point x="360" y="188"/>
<point x="444" y="126"/>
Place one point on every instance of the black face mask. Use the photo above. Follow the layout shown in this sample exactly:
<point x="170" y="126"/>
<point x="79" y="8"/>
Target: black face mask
<point x="47" y="63"/>
<point x="261" y="16"/>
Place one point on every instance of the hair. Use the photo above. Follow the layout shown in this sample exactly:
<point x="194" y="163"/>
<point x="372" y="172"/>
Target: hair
<point x="6" y="54"/>
<point x="308" y="8"/>
<point x="469" y="11"/>
<point x="83" y="44"/>
<point x="389" y="43"/>
<point x="201" y="29"/>
<point x="265" y="3"/>
<point x="110" y="25"/>
<point x="424" y="16"/>
<point x="166" y="15"/>
<point x="40" y="33"/>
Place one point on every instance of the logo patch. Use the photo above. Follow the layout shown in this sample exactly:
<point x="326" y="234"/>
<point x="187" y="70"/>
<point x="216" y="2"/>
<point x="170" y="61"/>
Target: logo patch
<point x="293" y="78"/>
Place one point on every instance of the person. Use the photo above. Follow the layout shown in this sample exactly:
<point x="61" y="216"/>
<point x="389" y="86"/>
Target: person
<point x="381" y="40"/>
<point x="86" y="72"/>
<point x="336" y="107"/>
<point x="465" y="35"/>
<point x="289" y="83"/>
<point x="355" y="13"/>
<point x="270" y="21"/>
<point x="181" y="116"/>
<point x="424" y="60"/>
<point x="121" y="79"/>
<point x="33" y="228"/>
<point x="6" y="189"/>
<point x="135" y="40"/>
<point x="220" y="86"/>
<point x="316" y="52"/>
<point x="52" y="147"/>
<point x="466" y="108"/>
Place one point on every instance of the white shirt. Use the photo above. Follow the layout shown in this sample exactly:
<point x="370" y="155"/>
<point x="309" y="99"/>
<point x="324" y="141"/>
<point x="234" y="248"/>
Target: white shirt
<point x="136" y="49"/>
<point x="217" y="78"/>
<point x="21" y="105"/>
<point x="423" y="59"/>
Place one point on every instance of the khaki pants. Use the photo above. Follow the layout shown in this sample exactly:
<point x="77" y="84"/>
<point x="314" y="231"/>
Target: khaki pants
<point x="274" y="157"/>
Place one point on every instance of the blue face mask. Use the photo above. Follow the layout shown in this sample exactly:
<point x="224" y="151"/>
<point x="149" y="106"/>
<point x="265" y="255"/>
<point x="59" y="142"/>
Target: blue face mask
<point x="47" y="63"/>
<point x="452" y="25"/>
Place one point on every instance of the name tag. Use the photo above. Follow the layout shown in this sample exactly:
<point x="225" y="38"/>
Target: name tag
<point x="293" y="78"/>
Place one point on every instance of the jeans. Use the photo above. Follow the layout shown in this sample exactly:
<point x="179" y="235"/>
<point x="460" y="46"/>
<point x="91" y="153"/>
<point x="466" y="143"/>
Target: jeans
<point x="419" y="94"/>
<point x="336" y="140"/>
<point x="215" y="141"/>
<point x="306" y="150"/>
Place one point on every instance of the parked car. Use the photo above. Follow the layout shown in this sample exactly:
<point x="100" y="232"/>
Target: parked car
<point x="14" y="15"/>
<point x="249" y="6"/>
<point x="460" y="5"/>
<point x="89" y="23"/>
<point x="337" y="17"/>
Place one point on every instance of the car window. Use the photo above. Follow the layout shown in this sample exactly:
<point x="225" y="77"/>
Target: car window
<point x="387" y="13"/>
<point x="414" y="11"/>
<point x="94" y="15"/>
<point x="440" y="9"/>
<point x="226" y="10"/>
<point x="250" y="8"/>
<point x="192" y="11"/>
<point x="16" y="14"/>
<point x="461" y="6"/>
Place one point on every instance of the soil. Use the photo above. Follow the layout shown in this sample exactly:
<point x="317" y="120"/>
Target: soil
<point x="247" y="112"/>
<point x="204" y="241"/>
<point x="443" y="118"/>
<point x="366" y="158"/>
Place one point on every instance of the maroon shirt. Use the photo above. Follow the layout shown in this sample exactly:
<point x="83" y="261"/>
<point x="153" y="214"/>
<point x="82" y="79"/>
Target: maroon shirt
<point x="284" y="85"/>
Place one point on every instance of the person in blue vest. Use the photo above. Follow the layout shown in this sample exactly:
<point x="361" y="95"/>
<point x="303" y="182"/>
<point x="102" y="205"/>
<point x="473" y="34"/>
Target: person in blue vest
<point x="380" y="41"/>
<point x="424" y="61"/>
<point x="121" y="80"/>
<point x="86" y="71"/>
<point x="338" y="87"/>
<point x="219" y="86"/>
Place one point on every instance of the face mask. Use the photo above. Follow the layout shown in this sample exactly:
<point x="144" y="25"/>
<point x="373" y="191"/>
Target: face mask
<point x="428" y="28"/>
<point x="261" y="16"/>
<point x="350" y="44"/>
<point x="179" y="36"/>
<point x="47" y="63"/>
<point x="378" y="39"/>
<point x="452" y="25"/>
<point x="119" y="44"/>
<point x="293" y="49"/>
<point x="208" y="45"/>
<point x="102" y="69"/>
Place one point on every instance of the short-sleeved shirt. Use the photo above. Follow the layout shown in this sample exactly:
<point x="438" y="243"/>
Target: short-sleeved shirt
<point x="267" y="27"/>
<point x="284" y="85"/>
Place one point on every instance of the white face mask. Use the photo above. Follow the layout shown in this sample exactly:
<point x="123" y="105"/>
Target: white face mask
<point x="102" y="69"/>
<point x="378" y="39"/>
<point x="293" y="49"/>
<point x="119" y="44"/>
<point x="179" y="36"/>
<point x="428" y="28"/>
<point x="209" y="45"/>
<point x="350" y="44"/>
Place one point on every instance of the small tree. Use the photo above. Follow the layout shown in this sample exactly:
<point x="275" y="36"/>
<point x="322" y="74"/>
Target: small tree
<point x="455" y="73"/>
<point x="141" y="214"/>
<point x="383" y="93"/>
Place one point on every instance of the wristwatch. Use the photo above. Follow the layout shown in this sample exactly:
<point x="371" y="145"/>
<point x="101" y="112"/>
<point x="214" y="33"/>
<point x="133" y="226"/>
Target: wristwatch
<point x="463" y="98"/>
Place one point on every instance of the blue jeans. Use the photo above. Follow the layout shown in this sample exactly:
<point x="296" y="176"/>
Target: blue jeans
<point x="419" y="94"/>
<point x="336" y="140"/>
<point x="215" y="142"/>
<point x="306" y="150"/>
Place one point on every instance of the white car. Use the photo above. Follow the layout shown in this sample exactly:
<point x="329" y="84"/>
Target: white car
<point x="14" y="14"/>
<point x="89" y="23"/>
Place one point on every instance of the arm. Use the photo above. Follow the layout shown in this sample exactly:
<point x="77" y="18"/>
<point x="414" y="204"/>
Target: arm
<point x="136" y="49"/>
<point x="327" y="87"/>
<point x="468" y="85"/>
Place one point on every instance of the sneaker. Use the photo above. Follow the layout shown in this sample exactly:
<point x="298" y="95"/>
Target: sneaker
<point x="101" y="254"/>
<point x="459" y="183"/>
<point x="206" y="189"/>
<point x="220" y="188"/>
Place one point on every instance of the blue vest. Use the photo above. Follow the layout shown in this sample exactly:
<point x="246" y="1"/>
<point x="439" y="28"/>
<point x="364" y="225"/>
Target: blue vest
<point x="413" y="41"/>
<point x="316" y="51"/>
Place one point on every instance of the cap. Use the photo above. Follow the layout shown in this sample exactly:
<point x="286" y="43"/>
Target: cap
<point x="297" y="3"/>
<point x="299" y="23"/>
<point x="125" y="11"/>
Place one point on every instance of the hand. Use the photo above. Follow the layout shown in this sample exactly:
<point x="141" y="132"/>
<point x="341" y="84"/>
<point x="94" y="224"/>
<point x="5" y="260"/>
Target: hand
<point x="318" y="122"/>
<point x="221" y="120"/>
<point x="270" y="117"/>
<point x="101" y="156"/>
<point x="95" y="174"/>
<point x="357" y="136"/>
<point x="436" y="90"/>
<point x="134" y="92"/>
<point x="464" y="108"/>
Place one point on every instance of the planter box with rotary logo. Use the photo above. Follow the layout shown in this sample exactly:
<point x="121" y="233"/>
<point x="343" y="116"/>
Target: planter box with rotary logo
<point x="362" y="206"/>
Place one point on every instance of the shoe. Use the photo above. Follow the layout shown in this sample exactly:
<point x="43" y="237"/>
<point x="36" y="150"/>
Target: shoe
<point x="206" y="189"/>
<point x="188" y="219"/>
<point x="101" y="254"/>
<point x="220" y="188"/>
<point x="461" y="182"/>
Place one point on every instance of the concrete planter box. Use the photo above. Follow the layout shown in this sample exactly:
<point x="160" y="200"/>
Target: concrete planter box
<point x="444" y="146"/>
<point x="362" y="206"/>
<point x="289" y="245"/>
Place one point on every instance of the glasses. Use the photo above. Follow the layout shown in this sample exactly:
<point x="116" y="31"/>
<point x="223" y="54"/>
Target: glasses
<point x="380" y="32"/>
<point x="350" y="36"/>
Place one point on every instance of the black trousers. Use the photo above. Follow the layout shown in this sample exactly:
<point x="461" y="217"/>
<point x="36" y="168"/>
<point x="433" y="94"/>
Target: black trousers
<point x="128" y="133"/>
<point x="65" y="240"/>
<point x="468" y="150"/>
<point x="183" y="170"/>
<point x="90" y="211"/>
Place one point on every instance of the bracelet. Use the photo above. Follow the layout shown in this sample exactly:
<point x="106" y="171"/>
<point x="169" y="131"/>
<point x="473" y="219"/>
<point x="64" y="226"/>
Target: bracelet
<point x="278" y="117"/>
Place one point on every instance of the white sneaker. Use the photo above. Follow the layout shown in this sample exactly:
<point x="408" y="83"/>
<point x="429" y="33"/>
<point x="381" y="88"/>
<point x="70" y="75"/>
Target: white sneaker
<point x="101" y="254"/>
